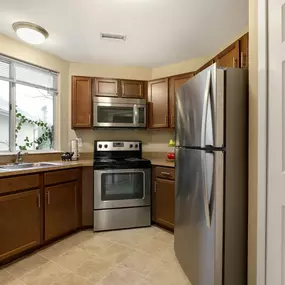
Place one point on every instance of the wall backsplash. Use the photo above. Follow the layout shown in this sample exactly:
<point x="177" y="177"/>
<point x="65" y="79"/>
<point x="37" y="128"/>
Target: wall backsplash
<point x="153" y="141"/>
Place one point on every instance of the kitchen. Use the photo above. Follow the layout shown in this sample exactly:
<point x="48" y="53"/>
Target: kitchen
<point x="79" y="85"/>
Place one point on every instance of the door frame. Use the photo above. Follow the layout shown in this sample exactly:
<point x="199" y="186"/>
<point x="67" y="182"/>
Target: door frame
<point x="260" y="69"/>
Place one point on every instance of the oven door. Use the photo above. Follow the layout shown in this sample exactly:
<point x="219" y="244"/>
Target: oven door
<point x="119" y="115"/>
<point x="120" y="188"/>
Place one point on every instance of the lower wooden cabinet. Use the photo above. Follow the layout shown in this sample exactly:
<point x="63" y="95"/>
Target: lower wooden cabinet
<point x="20" y="222"/>
<point x="163" y="200"/>
<point x="61" y="209"/>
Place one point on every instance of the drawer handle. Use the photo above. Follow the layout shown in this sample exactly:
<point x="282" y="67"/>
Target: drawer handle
<point x="165" y="173"/>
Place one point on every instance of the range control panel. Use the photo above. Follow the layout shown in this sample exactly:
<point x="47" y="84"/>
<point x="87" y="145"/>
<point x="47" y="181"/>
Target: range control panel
<point x="118" y="145"/>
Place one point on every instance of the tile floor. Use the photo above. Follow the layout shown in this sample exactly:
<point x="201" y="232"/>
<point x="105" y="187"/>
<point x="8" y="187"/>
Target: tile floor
<point x="142" y="256"/>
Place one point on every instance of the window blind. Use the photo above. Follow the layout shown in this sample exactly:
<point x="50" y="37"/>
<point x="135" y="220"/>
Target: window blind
<point x="28" y="74"/>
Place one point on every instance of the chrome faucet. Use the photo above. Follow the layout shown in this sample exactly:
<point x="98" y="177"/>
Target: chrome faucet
<point x="19" y="157"/>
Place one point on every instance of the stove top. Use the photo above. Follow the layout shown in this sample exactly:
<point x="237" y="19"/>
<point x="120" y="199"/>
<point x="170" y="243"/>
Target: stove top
<point x="131" y="162"/>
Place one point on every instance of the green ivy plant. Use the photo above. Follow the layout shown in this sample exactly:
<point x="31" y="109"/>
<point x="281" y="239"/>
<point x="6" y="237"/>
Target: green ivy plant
<point x="47" y="135"/>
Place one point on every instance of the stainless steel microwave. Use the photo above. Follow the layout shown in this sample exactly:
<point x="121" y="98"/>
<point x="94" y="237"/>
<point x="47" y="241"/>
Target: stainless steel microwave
<point x="119" y="113"/>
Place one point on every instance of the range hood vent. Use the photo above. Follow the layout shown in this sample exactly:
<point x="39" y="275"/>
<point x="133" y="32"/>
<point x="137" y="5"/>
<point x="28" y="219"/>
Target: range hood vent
<point x="108" y="36"/>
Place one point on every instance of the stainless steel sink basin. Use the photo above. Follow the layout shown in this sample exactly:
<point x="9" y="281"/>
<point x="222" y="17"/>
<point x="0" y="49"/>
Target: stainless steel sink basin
<point x="27" y="166"/>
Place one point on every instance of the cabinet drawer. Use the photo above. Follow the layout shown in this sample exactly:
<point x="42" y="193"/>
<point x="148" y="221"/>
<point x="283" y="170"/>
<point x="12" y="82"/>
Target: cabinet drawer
<point x="61" y="176"/>
<point x="165" y="172"/>
<point x="16" y="183"/>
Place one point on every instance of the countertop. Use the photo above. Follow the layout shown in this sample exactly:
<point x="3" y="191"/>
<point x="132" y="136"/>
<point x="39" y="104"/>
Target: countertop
<point x="71" y="164"/>
<point x="161" y="162"/>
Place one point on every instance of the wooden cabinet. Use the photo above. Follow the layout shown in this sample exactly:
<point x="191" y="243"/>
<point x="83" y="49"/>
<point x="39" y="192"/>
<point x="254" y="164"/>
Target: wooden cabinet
<point x="61" y="209"/>
<point x="20" y="222"/>
<point x="229" y="57"/>
<point x="132" y="89"/>
<point x="158" y="103"/>
<point x="163" y="197"/>
<point x="244" y="51"/>
<point x="174" y="83"/>
<point x="87" y="189"/>
<point x="81" y="102"/>
<point x="106" y="87"/>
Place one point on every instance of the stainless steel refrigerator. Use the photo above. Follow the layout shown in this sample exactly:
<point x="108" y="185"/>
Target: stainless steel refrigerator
<point x="211" y="177"/>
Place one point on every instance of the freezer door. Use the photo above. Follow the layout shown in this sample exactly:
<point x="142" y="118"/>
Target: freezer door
<point x="199" y="215"/>
<point x="200" y="110"/>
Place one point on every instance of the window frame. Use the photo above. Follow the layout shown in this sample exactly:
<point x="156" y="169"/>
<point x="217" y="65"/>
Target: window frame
<point x="12" y="99"/>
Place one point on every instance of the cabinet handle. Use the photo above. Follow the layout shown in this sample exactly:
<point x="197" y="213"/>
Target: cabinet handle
<point x="165" y="173"/>
<point x="166" y="119"/>
<point x="155" y="187"/>
<point x="48" y="197"/>
<point x="234" y="62"/>
<point x="241" y="59"/>
<point x="89" y="119"/>
<point x="39" y="200"/>
<point x="172" y="121"/>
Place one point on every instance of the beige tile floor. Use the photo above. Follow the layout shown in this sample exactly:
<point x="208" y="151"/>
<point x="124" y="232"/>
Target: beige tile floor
<point x="142" y="256"/>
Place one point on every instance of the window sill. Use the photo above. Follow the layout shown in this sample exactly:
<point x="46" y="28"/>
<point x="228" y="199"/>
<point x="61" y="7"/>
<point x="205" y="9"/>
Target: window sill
<point x="7" y="153"/>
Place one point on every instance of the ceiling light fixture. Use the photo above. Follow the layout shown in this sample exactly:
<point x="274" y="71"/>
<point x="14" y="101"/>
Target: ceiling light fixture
<point x="109" y="36"/>
<point x="30" y="32"/>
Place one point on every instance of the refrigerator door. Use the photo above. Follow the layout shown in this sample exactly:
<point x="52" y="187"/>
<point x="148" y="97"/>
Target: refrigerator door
<point x="198" y="230"/>
<point x="200" y="110"/>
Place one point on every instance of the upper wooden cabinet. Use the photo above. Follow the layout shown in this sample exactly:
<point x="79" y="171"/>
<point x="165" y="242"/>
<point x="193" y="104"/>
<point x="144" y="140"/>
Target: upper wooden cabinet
<point x="174" y="83"/>
<point x="61" y="209"/>
<point x="229" y="57"/>
<point x="106" y="87"/>
<point x="244" y="51"/>
<point x="81" y="102"/>
<point x="158" y="103"/>
<point x="20" y="222"/>
<point x="132" y="89"/>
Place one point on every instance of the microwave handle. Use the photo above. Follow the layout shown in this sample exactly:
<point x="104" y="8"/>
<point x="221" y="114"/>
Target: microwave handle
<point x="136" y="115"/>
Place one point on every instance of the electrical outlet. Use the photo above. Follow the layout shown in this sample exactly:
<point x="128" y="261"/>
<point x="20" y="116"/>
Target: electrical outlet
<point x="79" y="142"/>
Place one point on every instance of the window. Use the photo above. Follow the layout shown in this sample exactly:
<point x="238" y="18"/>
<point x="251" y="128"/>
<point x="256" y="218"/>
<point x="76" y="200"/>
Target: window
<point x="27" y="100"/>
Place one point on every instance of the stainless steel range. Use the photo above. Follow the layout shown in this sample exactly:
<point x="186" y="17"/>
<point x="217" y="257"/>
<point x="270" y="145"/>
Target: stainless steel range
<point x="122" y="186"/>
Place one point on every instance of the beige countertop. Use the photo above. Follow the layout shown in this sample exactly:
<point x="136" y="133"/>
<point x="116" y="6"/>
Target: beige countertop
<point x="58" y="165"/>
<point x="161" y="162"/>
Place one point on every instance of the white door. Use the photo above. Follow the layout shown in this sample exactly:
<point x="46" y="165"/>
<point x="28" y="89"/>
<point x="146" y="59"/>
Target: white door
<point x="276" y="145"/>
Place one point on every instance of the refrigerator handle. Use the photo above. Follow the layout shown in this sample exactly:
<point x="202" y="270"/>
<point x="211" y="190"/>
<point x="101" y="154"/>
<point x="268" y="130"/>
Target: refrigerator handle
<point x="206" y="195"/>
<point x="205" y="105"/>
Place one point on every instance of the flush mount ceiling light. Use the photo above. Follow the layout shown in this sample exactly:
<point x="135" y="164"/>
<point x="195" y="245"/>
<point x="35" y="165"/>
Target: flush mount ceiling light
<point x="109" y="36"/>
<point x="30" y="32"/>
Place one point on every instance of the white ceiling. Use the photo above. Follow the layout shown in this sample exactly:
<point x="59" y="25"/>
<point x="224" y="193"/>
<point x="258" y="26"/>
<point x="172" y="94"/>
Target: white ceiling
<point x="159" y="32"/>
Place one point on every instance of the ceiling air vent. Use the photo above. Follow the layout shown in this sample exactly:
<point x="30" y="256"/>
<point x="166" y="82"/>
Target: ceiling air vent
<point x="107" y="36"/>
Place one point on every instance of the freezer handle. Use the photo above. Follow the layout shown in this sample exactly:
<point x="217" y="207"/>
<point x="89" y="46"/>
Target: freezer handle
<point x="205" y="105"/>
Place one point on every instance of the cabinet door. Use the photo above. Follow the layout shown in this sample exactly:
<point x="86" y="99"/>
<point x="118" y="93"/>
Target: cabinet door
<point x="106" y="87"/>
<point x="132" y="89"/>
<point x="244" y="51"/>
<point x="164" y="202"/>
<point x="20" y="222"/>
<point x="81" y="102"/>
<point x="158" y="103"/>
<point x="174" y="83"/>
<point x="61" y="209"/>
<point x="229" y="57"/>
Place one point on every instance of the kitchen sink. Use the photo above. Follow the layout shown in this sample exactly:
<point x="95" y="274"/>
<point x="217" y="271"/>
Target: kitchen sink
<point x="27" y="166"/>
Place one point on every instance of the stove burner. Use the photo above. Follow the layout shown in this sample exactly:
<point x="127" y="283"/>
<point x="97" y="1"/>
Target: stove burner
<point x="106" y="160"/>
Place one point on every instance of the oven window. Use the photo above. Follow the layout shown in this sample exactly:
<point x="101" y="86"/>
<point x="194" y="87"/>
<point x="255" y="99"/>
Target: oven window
<point x="122" y="186"/>
<point x="115" y="114"/>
